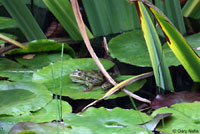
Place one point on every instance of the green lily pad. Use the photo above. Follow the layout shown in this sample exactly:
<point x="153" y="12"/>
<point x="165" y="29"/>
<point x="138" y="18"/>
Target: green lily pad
<point x="46" y="114"/>
<point x="14" y="71"/>
<point x="50" y="112"/>
<point x="115" y="121"/>
<point x="75" y="90"/>
<point x="185" y="116"/>
<point x="47" y="128"/>
<point x="131" y="48"/>
<point x="21" y="97"/>
<point x="43" y="59"/>
<point x="44" y="45"/>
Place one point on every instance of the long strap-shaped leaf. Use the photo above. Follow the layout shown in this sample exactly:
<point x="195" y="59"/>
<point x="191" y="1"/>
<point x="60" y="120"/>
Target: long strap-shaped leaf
<point x="180" y="47"/>
<point x="122" y="85"/>
<point x="23" y="17"/>
<point x="160" y="68"/>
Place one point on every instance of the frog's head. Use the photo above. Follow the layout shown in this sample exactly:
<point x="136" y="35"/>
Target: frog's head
<point x="77" y="74"/>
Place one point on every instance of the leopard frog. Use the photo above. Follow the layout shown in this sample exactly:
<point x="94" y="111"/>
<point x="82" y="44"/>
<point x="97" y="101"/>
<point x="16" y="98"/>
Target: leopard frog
<point x="90" y="78"/>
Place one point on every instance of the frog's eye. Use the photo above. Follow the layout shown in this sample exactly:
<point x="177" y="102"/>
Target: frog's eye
<point x="77" y="70"/>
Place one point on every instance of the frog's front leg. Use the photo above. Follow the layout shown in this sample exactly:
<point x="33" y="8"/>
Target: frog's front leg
<point x="90" y="88"/>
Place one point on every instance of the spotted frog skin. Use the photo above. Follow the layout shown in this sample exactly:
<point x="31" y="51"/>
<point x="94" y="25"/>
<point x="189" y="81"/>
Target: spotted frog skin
<point x="89" y="78"/>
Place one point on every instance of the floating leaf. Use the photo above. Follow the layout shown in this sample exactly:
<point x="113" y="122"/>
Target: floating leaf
<point x="173" y="98"/>
<point x="47" y="128"/>
<point x="46" y="114"/>
<point x="185" y="118"/>
<point x="43" y="46"/>
<point x="44" y="60"/>
<point x="130" y="48"/>
<point x="117" y="120"/>
<point x="21" y="97"/>
<point x="71" y="89"/>
<point x="14" y="71"/>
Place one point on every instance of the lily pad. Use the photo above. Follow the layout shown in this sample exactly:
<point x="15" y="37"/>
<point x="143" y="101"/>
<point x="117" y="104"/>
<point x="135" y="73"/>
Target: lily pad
<point x="46" y="114"/>
<point x="131" y="48"/>
<point x="43" y="59"/>
<point x="185" y="118"/>
<point x="115" y="121"/>
<point x="44" y="45"/>
<point x="47" y="128"/>
<point x="75" y="90"/>
<point x="14" y="71"/>
<point x="21" y="97"/>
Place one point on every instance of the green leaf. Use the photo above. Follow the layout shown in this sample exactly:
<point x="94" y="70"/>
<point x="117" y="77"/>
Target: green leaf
<point x="63" y="12"/>
<point x="76" y="91"/>
<point x="180" y="47"/>
<point x="134" y="45"/>
<point x="47" y="128"/>
<point x="50" y="112"/>
<point x="43" y="46"/>
<point x="130" y="48"/>
<point x="159" y="64"/>
<point x="9" y="36"/>
<point x="116" y="121"/>
<point x="44" y="60"/>
<point x="47" y="113"/>
<point x="185" y="116"/>
<point x="70" y="88"/>
<point x="6" y="22"/>
<point x="110" y="16"/>
<point x="14" y="71"/>
<point x="21" y="97"/>
<point x="191" y="9"/>
<point x="45" y="74"/>
<point x="24" y="19"/>
<point x="172" y="9"/>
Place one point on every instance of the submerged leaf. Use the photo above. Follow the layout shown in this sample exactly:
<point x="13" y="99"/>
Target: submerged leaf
<point x="173" y="98"/>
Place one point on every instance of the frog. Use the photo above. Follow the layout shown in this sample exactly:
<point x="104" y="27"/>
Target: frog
<point x="91" y="79"/>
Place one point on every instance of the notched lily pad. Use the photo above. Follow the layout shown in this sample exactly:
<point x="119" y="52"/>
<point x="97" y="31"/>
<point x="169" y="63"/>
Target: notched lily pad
<point x="21" y="97"/>
<point x="185" y="118"/>
<point x="117" y="120"/>
<point x="39" y="46"/>
<point x="173" y="98"/>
